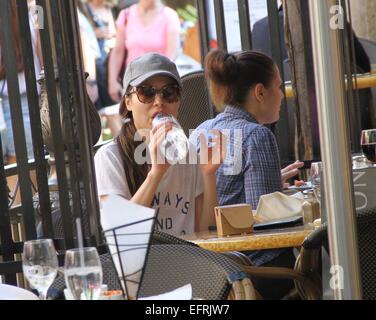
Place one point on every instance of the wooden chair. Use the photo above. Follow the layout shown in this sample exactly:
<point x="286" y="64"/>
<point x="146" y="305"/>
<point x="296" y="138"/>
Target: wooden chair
<point x="309" y="261"/>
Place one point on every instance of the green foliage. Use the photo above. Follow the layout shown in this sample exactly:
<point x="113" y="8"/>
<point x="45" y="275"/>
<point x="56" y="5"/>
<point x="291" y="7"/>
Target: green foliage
<point x="192" y="10"/>
<point x="189" y="13"/>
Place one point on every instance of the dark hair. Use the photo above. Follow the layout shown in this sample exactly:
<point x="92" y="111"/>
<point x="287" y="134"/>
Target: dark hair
<point x="134" y="173"/>
<point x="230" y="76"/>
<point x="17" y="41"/>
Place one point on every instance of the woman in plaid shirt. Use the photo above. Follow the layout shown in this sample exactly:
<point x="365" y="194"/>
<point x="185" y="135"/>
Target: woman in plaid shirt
<point x="247" y="86"/>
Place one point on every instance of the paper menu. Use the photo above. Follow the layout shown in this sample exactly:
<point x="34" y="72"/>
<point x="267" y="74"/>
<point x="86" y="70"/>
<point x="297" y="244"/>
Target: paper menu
<point x="127" y="227"/>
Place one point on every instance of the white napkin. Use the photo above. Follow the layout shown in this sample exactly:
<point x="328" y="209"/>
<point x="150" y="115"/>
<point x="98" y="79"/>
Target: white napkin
<point x="298" y="195"/>
<point x="8" y="292"/>
<point x="277" y="205"/>
<point x="133" y="240"/>
<point x="182" y="293"/>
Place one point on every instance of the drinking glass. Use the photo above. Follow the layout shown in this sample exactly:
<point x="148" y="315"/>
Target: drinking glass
<point x="83" y="273"/>
<point x="368" y="143"/>
<point x="316" y="171"/>
<point x="39" y="264"/>
<point x="359" y="161"/>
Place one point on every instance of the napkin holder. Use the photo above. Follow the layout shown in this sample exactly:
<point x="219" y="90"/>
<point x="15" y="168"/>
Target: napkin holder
<point x="128" y="229"/>
<point x="233" y="219"/>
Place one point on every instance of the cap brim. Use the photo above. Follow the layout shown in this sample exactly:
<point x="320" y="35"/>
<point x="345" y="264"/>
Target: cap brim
<point x="150" y="74"/>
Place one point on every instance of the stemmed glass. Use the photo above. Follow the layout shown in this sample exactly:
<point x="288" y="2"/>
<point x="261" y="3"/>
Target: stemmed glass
<point x="368" y="143"/>
<point x="316" y="171"/>
<point x="83" y="273"/>
<point x="39" y="264"/>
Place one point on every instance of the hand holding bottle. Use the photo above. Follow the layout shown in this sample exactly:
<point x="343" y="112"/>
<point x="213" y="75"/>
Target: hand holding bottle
<point x="159" y="165"/>
<point x="175" y="145"/>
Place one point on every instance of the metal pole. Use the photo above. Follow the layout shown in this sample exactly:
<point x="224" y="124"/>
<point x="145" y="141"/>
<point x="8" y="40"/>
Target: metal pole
<point x="245" y="24"/>
<point x="335" y="150"/>
<point x="220" y="24"/>
<point x="204" y="30"/>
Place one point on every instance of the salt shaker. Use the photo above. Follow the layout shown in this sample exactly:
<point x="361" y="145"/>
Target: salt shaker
<point x="307" y="211"/>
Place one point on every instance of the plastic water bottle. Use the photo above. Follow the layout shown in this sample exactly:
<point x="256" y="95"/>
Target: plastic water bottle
<point x="176" y="145"/>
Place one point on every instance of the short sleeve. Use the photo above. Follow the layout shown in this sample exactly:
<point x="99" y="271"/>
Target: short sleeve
<point x="173" y="22"/>
<point x="110" y="173"/>
<point x="262" y="172"/>
<point x="120" y="21"/>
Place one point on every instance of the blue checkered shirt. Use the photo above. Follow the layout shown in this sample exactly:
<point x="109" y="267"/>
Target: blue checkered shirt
<point x="252" y="166"/>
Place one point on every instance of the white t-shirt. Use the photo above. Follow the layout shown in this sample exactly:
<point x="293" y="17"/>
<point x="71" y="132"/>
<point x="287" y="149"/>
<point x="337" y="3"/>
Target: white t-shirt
<point x="87" y="29"/>
<point x="174" y="199"/>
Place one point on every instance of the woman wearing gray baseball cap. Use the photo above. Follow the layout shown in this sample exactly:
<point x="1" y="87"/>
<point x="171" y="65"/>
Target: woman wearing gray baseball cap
<point x="184" y="195"/>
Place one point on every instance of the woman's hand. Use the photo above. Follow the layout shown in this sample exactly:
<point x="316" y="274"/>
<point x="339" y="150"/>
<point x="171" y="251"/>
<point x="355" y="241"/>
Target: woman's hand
<point x="212" y="151"/>
<point x="102" y="33"/>
<point x="290" y="171"/>
<point x="92" y="91"/>
<point x="159" y="164"/>
<point x="115" y="90"/>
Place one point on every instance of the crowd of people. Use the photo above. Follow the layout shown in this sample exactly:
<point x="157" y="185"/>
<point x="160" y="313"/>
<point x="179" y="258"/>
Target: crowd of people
<point x="110" y="43"/>
<point x="110" y="39"/>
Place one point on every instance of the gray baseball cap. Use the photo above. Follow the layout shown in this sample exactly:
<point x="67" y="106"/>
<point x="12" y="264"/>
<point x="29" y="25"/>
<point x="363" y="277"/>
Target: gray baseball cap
<point x="147" y="66"/>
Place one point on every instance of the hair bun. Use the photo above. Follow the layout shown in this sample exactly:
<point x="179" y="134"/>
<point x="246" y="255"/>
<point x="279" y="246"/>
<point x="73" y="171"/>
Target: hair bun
<point x="231" y="67"/>
<point x="230" y="57"/>
<point x="221" y="67"/>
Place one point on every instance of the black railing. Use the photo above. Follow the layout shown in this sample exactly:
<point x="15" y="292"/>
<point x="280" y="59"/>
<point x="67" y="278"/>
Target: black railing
<point x="69" y="133"/>
<point x="244" y="24"/>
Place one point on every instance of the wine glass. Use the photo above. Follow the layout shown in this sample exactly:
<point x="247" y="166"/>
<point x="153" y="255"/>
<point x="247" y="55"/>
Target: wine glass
<point x="39" y="264"/>
<point x="316" y="171"/>
<point x="368" y="143"/>
<point x="83" y="273"/>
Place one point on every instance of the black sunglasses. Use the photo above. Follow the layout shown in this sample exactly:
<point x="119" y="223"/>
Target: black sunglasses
<point x="146" y="94"/>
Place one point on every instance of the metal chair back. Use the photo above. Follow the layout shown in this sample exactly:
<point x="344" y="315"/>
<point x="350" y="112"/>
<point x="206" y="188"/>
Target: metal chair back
<point x="195" y="106"/>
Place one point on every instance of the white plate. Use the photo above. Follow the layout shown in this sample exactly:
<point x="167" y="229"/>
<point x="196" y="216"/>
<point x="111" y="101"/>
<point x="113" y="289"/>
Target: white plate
<point x="306" y="186"/>
<point x="8" y="292"/>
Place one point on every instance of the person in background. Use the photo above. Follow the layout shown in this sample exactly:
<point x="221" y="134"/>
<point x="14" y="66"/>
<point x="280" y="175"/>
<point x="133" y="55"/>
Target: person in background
<point x="248" y="86"/>
<point x="7" y="134"/>
<point x="148" y="26"/>
<point x="8" y="140"/>
<point x="184" y="195"/>
<point x="90" y="51"/>
<point x="104" y="24"/>
<point x="101" y="18"/>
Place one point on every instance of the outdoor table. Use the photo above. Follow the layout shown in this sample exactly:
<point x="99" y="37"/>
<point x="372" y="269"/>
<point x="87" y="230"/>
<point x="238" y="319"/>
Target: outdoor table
<point x="265" y="239"/>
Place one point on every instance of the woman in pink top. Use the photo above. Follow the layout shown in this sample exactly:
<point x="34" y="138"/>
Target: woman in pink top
<point x="148" y="26"/>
